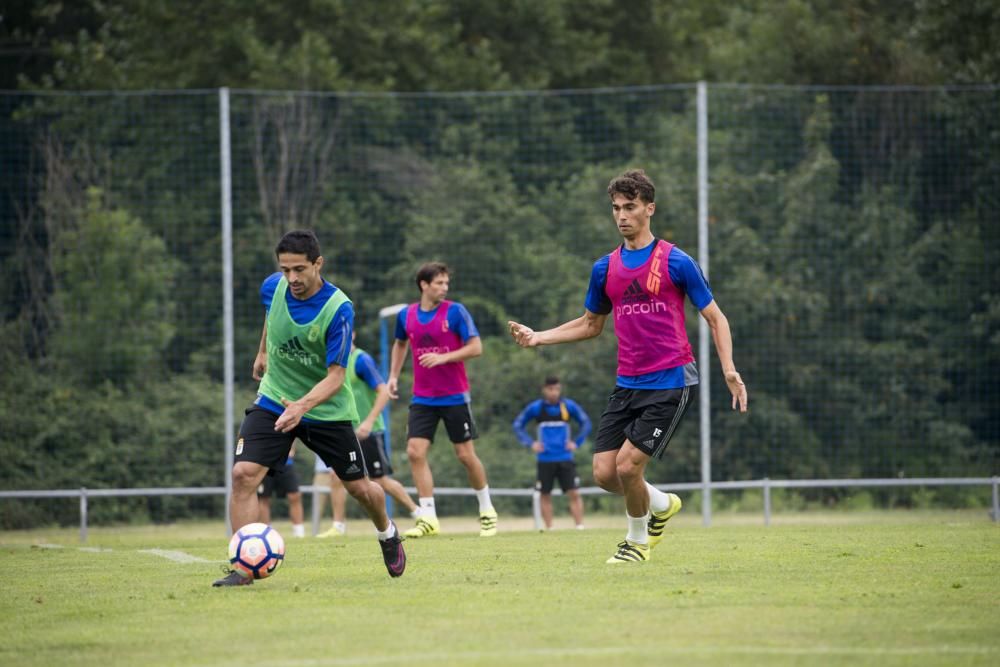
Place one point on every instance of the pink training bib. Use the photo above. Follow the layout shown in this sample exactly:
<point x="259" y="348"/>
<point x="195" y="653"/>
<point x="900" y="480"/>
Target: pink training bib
<point x="443" y="380"/>
<point x="648" y="314"/>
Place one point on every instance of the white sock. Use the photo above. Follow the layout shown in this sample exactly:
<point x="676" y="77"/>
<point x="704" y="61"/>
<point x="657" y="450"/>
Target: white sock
<point x="483" y="496"/>
<point x="637" y="529"/>
<point x="427" y="508"/>
<point x="579" y="526"/>
<point x="658" y="500"/>
<point x="298" y="530"/>
<point x="387" y="533"/>
<point x="340" y="526"/>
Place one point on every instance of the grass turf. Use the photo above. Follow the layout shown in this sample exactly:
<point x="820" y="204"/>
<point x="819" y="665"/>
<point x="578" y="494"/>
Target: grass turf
<point x="886" y="589"/>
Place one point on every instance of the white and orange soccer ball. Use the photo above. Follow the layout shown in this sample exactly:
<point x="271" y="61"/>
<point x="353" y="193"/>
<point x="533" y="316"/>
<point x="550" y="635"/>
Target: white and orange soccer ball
<point x="256" y="550"/>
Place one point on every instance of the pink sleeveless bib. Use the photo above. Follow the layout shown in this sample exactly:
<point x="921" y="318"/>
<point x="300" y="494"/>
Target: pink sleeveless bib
<point x="435" y="336"/>
<point x="648" y="314"/>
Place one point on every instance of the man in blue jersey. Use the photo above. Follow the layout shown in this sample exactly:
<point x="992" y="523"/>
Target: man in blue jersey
<point x="301" y="364"/>
<point x="555" y="447"/>
<point x="371" y="396"/>
<point x="643" y="284"/>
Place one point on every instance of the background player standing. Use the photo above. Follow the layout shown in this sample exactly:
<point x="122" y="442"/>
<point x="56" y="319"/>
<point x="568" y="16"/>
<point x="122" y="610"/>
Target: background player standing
<point x="555" y="447"/>
<point x="371" y="396"/>
<point x="442" y="336"/>
<point x="284" y="483"/>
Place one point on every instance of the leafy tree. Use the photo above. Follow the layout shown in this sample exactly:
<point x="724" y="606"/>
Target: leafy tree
<point x="113" y="283"/>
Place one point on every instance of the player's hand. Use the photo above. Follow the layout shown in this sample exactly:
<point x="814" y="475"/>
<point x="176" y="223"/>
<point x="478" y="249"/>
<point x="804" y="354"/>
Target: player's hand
<point x="291" y="417"/>
<point x="738" y="390"/>
<point x="260" y="366"/>
<point x="363" y="430"/>
<point x="523" y="335"/>
<point x="570" y="446"/>
<point x="537" y="447"/>
<point x="432" y="359"/>
<point x="393" y="386"/>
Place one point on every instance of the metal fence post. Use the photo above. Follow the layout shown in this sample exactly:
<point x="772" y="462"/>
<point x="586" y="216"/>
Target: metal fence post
<point x="767" y="501"/>
<point x="536" y="508"/>
<point x="996" y="498"/>
<point x="83" y="514"/>
<point x="226" y="187"/>
<point x="703" y="333"/>
<point x="317" y="509"/>
<point x="386" y="321"/>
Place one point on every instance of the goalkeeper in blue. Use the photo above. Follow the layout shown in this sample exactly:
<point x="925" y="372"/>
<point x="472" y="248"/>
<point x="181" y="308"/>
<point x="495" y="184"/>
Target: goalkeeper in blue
<point x="555" y="446"/>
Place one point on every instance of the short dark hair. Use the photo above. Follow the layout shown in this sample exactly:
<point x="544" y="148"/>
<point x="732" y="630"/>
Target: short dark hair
<point x="634" y="184"/>
<point x="429" y="271"/>
<point x="299" y="242"/>
<point x="551" y="380"/>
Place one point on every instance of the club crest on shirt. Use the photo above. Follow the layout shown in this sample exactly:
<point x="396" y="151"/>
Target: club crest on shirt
<point x="444" y="325"/>
<point x="313" y="334"/>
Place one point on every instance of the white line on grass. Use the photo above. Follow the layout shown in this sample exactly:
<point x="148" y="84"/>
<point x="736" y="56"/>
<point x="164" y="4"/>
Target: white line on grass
<point x="176" y="556"/>
<point x="464" y="656"/>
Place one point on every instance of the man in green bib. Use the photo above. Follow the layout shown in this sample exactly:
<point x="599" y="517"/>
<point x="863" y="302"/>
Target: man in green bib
<point x="301" y="363"/>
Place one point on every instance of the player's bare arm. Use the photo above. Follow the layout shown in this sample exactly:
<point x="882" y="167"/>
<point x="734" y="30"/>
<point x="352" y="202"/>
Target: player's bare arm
<point x="472" y="348"/>
<point x="321" y="392"/>
<point x="723" y="338"/>
<point x="364" y="429"/>
<point x="396" y="360"/>
<point x="588" y="325"/>
<point x="260" y="362"/>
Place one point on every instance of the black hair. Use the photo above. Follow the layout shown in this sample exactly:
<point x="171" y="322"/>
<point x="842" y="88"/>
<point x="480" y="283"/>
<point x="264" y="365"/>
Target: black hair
<point x="429" y="271"/>
<point x="299" y="242"/>
<point x="634" y="184"/>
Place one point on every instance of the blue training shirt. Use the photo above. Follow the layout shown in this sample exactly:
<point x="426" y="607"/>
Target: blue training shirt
<point x="366" y="369"/>
<point x="459" y="321"/>
<point x="686" y="274"/>
<point x="553" y="431"/>
<point x="338" y="334"/>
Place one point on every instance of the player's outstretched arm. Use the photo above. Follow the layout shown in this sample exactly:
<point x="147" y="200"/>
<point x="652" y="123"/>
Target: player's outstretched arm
<point x="586" y="326"/>
<point x="723" y="338"/>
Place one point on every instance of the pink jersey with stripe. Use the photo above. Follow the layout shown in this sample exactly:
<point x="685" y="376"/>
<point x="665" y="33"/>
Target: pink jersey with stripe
<point x="648" y="314"/>
<point x="443" y="380"/>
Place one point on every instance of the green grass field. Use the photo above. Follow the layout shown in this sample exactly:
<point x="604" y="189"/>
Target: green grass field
<point x="879" y="588"/>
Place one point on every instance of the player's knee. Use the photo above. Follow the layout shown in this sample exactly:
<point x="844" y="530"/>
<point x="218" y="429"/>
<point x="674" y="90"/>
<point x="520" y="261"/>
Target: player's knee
<point x="358" y="488"/>
<point x="416" y="453"/>
<point x="627" y="469"/>
<point x="606" y="478"/>
<point x="466" y="454"/>
<point x="246" y="477"/>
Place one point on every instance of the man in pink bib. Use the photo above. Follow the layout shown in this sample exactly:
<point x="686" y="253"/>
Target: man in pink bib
<point x="441" y="335"/>
<point x="643" y="283"/>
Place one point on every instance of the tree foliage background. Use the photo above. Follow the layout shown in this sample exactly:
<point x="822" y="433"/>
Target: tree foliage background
<point x="854" y="229"/>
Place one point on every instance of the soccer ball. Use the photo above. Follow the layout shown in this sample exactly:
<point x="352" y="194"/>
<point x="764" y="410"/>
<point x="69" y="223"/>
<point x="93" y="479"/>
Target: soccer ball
<point x="256" y="550"/>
